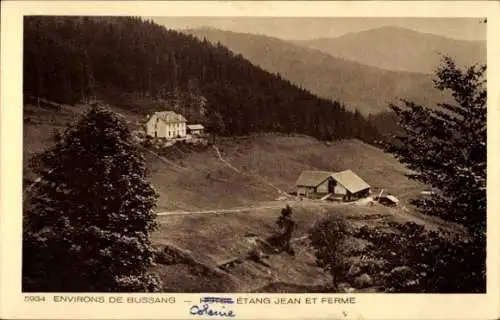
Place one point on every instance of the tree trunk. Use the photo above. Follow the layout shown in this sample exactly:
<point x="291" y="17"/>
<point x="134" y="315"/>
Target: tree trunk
<point x="334" y="281"/>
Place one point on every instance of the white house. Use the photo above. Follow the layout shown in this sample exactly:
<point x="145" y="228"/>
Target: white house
<point x="166" y="124"/>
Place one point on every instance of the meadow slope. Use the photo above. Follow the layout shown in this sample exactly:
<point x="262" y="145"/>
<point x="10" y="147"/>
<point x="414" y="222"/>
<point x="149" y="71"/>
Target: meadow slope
<point x="200" y="181"/>
<point x="210" y="208"/>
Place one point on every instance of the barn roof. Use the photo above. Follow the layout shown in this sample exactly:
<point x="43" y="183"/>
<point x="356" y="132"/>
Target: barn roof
<point x="350" y="181"/>
<point x="170" y="116"/>
<point x="195" y="127"/>
<point x="312" y="178"/>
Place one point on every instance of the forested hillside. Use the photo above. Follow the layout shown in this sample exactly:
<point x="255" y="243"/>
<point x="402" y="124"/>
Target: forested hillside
<point x="140" y="65"/>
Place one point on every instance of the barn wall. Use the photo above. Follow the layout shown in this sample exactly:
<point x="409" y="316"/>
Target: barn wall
<point x="303" y="191"/>
<point x="339" y="189"/>
<point x="323" y="187"/>
<point x="363" y="194"/>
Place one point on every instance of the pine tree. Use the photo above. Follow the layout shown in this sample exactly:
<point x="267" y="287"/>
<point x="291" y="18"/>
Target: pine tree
<point x="215" y="124"/>
<point x="446" y="146"/>
<point x="329" y="236"/>
<point x="88" y="223"/>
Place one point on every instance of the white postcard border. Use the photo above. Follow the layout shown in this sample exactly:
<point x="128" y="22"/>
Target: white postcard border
<point x="367" y="306"/>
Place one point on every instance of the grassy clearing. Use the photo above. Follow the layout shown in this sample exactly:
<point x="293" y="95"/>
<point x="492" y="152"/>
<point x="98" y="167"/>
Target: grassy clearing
<point x="203" y="182"/>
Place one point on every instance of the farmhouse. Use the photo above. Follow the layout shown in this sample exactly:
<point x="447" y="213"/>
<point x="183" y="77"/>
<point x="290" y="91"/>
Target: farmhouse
<point x="314" y="182"/>
<point x="195" y="129"/>
<point x="348" y="185"/>
<point x="166" y="124"/>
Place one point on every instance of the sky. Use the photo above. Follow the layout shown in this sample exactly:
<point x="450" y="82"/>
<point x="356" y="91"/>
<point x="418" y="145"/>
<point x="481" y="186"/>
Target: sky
<point x="311" y="28"/>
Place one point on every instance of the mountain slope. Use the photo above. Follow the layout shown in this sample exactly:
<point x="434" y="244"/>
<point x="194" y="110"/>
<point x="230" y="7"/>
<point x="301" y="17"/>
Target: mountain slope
<point x="361" y="87"/>
<point x="235" y="205"/>
<point x="399" y="49"/>
<point x="141" y="66"/>
<point x="202" y="182"/>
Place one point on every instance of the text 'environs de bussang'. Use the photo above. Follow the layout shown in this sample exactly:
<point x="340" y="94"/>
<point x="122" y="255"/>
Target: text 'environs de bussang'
<point x="238" y="300"/>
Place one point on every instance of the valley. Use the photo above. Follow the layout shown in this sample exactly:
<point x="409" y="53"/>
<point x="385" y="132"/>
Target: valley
<point x="222" y="207"/>
<point x="213" y="198"/>
<point x="266" y="112"/>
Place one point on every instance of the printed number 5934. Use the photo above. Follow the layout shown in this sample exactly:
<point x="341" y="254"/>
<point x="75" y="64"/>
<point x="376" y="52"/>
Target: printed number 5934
<point x="34" y="299"/>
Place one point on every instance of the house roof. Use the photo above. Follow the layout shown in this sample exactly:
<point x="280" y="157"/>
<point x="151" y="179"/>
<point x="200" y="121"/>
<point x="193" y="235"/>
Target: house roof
<point x="195" y="127"/>
<point x="312" y="178"/>
<point x="170" y="116"/>
<point x="350" y="181"/>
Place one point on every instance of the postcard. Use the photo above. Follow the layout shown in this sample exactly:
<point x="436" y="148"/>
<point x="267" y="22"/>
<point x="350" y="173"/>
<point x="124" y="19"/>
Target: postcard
<point x="247" y="160"/>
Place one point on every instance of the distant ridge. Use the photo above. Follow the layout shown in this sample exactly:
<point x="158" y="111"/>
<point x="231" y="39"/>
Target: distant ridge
<point x="364" y="88"/>
<point x="399" y="49"/>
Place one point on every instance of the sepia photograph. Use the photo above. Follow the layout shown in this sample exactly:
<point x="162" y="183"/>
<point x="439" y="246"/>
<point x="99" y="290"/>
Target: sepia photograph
<point x="254" y="154"/>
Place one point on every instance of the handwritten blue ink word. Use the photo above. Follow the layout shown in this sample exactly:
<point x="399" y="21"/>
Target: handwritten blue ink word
<point x="206" y="311"/>
<point x="216" y="300"/>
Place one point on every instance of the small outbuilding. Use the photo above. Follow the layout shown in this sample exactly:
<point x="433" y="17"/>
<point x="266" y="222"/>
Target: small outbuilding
<point x="388" y="200"/>
<point x="195" y="129"/>
<point x="350" y="186"/>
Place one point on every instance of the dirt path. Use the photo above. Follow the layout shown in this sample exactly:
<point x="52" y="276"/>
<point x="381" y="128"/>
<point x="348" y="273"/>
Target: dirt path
<point x="235" y="209"/>
<point x="219" y="155"/>
<point x="217" y="211"/>
<point x="278" y="205"/>
<point x="401" y="214"/>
